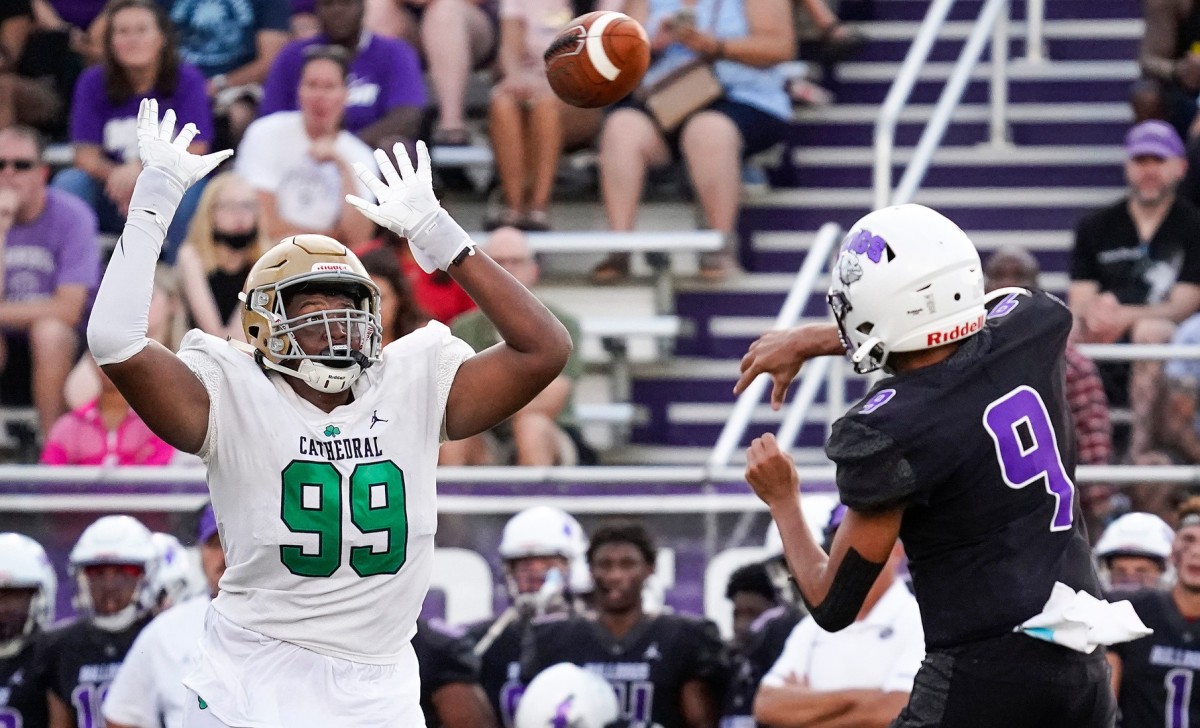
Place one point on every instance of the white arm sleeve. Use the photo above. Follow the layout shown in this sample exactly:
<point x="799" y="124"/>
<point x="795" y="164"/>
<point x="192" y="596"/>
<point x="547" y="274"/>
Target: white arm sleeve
<point x="117" y="327"/>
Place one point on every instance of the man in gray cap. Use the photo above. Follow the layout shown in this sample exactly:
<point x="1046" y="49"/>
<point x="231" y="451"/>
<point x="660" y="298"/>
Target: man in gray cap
<point x="148" y="690"/>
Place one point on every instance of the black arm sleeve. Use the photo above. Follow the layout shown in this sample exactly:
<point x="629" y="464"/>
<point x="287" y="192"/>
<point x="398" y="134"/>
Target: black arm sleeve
<point x="854" y="578"/>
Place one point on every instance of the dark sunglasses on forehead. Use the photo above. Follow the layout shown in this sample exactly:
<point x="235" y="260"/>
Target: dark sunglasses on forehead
<point x="19" y="165"/>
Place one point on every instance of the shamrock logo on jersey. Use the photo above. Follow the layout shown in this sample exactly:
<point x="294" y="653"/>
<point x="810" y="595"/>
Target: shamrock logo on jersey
<point x="332" y="431"/>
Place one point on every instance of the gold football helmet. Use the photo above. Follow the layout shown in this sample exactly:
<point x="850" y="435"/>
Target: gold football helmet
<point x="312" y="264"/>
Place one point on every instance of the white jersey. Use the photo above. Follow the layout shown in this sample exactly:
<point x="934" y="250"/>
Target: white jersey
<point x="148" y="689"/>
<point x="327" y="519"/>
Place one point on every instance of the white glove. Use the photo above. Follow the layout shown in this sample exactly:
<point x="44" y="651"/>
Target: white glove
<point x="158" y="151"/>
<point x="407" y="207"/>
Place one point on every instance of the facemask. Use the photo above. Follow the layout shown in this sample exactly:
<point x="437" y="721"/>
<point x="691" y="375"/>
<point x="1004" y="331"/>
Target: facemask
<point x="237" y="241"/>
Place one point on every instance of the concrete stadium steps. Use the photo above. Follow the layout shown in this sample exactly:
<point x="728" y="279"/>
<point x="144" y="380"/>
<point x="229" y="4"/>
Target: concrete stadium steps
<point x="968" y="166"/>
<point x="1057" y="81"/>
<point x="688" y="402"/>
<point x="914" y="10"/>
<point x="785" y="250"/>
<point x="1065" y="40"/>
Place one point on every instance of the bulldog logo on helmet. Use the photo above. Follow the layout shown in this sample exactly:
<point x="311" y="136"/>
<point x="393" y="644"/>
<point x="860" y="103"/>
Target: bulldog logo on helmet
<point x="849" y="270"/>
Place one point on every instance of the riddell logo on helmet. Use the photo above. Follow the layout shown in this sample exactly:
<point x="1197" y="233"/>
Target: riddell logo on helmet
<point x="961" y="331"/>
<point x="328" y="267"/>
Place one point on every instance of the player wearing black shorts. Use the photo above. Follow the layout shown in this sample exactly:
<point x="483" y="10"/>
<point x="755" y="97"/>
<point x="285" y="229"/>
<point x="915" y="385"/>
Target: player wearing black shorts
<point x="667" y="669"/>
<point x="965" y="453"/>
<point x="1155" y="677"/>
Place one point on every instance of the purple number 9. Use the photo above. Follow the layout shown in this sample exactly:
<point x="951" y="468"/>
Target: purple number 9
<point x="1028" y="449"/>
<point x="10" y="718"/>
<point x="880" y="399"/>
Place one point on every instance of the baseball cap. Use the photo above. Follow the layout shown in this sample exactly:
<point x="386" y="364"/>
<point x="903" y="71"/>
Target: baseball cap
<point x="1153" y="139"/>
<point x="208" y="524"/>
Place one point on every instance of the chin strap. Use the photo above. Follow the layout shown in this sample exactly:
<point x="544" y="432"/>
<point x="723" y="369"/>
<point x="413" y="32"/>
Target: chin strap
<point x="320" y="377"/>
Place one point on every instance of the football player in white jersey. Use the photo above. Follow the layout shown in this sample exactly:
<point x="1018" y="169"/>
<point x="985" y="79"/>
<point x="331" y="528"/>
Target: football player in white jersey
<point x="321" y="445"/>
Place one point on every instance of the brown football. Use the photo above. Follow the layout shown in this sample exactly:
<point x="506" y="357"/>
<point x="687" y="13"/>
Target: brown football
<point x="597" y="59"/>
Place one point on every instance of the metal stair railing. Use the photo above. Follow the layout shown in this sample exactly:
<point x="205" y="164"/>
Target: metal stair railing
<point x="993" y="20"/>
<point x="815" y="263"/>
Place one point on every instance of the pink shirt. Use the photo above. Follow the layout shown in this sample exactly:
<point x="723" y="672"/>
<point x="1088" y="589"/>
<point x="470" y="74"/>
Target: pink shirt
<point x="79" y="438"/>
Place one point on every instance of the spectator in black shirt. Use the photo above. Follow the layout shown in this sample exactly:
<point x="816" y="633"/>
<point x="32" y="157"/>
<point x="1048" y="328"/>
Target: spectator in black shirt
<point x="1135" y="269"/>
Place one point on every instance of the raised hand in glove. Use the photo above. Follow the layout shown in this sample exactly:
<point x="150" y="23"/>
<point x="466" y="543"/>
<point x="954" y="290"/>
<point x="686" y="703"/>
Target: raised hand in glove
<point x="408" y="207"/>
<point x="171" y="157"/>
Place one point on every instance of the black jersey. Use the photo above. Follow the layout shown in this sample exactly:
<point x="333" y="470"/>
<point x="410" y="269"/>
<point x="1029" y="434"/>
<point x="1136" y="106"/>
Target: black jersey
<point x="1159" y="671"/>
<point x="979" y="450"/>
<point x="763" y="647"/>
<point x="444" y="657"/>
<point x="80" y="661"/>
<point x="500" y="667"/>
<point x="647" y="669"/>
<point x="22" y="691"/>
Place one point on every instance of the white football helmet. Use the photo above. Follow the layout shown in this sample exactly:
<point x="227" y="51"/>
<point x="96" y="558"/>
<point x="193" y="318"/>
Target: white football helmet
<point x="115" y="540"/>
<point x="541" y="531"/>
<point x="23" y="565"/>
<point x="567" y="696"/>
<point x="906" y="279"/>
<point x="1136" y="534"/>
<point x="177" y="576"/>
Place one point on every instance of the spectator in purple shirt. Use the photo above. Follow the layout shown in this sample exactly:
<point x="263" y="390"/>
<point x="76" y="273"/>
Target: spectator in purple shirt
<point x="141" y="61"/>
<point x="387" y="92"/>
<point x="50" y="267"/>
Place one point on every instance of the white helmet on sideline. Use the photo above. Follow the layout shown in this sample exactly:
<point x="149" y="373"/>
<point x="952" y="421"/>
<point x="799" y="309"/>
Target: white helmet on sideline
<point x="567" y="696"/>
<point x="177" y="577"/>
<point x="115" y="540"/>
<point x="1136" y="534"/>
<point x="906" y="279"/>
<point x="23" y="565"/>
<point x="542" y="531"/>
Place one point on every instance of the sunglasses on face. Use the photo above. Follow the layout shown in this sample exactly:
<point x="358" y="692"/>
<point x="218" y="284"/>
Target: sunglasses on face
<point x="18" y="165"/>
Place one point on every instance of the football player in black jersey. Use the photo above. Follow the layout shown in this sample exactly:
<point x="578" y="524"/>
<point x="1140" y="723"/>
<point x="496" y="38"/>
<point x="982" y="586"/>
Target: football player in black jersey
<point x="965" y="452"/>
<point x="450" y="693"/>
<point x="667" y="669"/>
<point x="1154" y="677"/>
<point x="537" y="546"/>
<point x="27" y="589"/>
<point x="111" y="565"/>
<point x="762" y="621"/>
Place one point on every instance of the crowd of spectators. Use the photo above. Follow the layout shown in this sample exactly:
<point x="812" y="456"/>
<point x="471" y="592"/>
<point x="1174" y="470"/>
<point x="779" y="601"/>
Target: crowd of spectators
<point x="304" y="89"/>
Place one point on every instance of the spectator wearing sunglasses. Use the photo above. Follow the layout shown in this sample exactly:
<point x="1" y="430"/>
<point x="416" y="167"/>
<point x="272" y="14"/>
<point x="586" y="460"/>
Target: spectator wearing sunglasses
<point x="49" y="269"/>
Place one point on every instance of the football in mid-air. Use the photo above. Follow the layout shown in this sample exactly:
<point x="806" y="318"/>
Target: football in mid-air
<point x="597" y="59"/>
